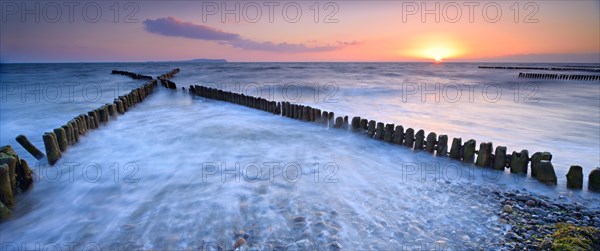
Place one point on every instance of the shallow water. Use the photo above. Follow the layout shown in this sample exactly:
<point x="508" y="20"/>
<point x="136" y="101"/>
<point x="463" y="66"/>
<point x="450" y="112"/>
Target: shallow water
<point x="185" y="172"/>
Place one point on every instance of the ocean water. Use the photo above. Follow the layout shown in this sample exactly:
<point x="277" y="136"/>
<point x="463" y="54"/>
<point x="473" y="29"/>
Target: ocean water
<point x="183" y="172"/>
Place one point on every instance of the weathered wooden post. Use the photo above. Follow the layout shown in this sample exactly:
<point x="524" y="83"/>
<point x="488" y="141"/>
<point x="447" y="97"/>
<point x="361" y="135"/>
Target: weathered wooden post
<point x="371" y="128"/>
<point x="338" y="122"/>
<point x="364" y="124"/>
<point x="12" y="163"/>
<point x="419" y="140"/>
<point x="535" y="160"/>
<point x="331" y="118"/>
<point x="69" y="134"/>
<point x="546" y="172"/>
<point x="355" y="123"/>
<point x="430" y="142"/>
<point x="456" y="148"/>
<point x="75" y="131"/>
<point x="469" y="151"/>
<point x="518" y="162"/>
<point x="345" y="123"/>
<point x="52" y="148"/>
<point x="325" y="117"/>
<point x="575" y="177"/>
<point x="379" y="131"/>
<point x="409" y="137"/>
<point x="442" y="146"/>
<point x="112" y="109"/>
<point x="25" y="143"/>
<point x="318" y="118"/>
<point x="484" y="155"/>
<point x="6" y="192"/>
<point x="61" y="137"/>
<point x="388" y="133"/>
<point x="120" y="107"/>
<point x="500" y="158"/>
<point x="398" y="136"/>
<point x="594" y="180"/>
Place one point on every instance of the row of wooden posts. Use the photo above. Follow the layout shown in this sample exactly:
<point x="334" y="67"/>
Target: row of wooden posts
<point x="15" y="177"/>
<point x="540" y="162"/>
<point x="164" y="79"/>
<point x="560" y="76"/>
<point x="57" y="141"/>
<point x="132" y="75"/>
<point x="573" y="68"/>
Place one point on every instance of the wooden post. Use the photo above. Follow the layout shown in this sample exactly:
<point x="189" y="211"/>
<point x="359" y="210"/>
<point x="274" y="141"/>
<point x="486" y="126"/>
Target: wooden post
<point x="456" y="149"/>
<point x="69" y="134"/>
<point x="25" y="143"/>
<point x="535" y="160"/>
<point x="500" y="158"/>
<point x="518" y="162"/>
<point x="6" y="192"/>
<point x="371" y="128"/>
<point x="92" y="119"/>
<point x="120" y="107"/>
<point x="484" y="155"/>
<point x="355" y="124"/>
<point x="11" y="162"/>
<point x="338" y="122"/>
<point x="398" y="136"/>
<point x="430" y="143"/>
<point x="112" y="109"/>
<point x="75" y="131"/>
<point x="325" y="118"/>
<point x="546" y="172"/>
<point x="419" y="140"/>
<point x="52" y="148"/>
<point x="388" y="133"/>
<point x="61" y="137"/>
<point x="469" y="151"/>
<point x="331" y="117"/>
<point x="409" y="137"/>
<point x="345" y="123"/>
<point x="364" y="124"/>
<point x="594" y="180"/>
<point x="379" y="131"/>
<point x="442" y="146"/>
<point x="575" y="177"/>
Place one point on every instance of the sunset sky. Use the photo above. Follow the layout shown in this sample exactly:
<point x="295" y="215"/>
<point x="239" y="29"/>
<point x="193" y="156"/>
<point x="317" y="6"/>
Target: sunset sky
<point x="542" y="31"/>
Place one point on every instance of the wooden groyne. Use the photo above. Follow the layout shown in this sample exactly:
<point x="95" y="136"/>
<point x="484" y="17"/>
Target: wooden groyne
<point x="61" y="138"/>
<point x="15" y="177"/>
<point x="519" y="162"/>
<point x="586" y="69"/>
<point x="165" y="79"/>
<point x="131" y="74"/>
<point x="58" y="141"/>
<point x="574" y="77"/>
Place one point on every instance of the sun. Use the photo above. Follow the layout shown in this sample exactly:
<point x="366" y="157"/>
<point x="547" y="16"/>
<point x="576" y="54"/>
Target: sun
<point x="438" y="54"/>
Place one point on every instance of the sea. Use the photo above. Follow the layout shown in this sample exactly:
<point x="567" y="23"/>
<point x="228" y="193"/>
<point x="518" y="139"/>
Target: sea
<point x="181" y="172"/>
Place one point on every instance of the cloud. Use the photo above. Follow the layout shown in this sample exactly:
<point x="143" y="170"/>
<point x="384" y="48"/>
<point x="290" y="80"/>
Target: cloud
<point x="173" y="27"/>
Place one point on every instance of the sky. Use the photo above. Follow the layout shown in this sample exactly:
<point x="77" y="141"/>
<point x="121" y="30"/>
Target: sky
<point x="282" y="31"/>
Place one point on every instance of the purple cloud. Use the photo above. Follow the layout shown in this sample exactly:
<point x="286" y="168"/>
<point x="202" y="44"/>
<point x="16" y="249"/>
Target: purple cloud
<point x="173" y="27"/>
